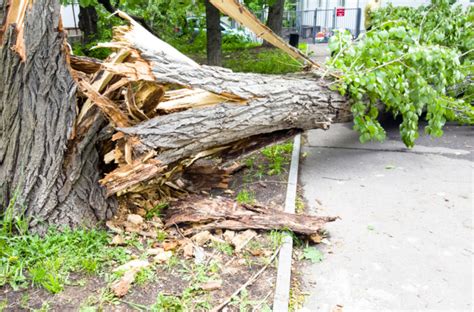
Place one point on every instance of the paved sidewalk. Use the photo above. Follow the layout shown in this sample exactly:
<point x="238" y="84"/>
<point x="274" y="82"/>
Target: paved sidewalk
<point x="405" y="241"/>
<point x="319" y="52"/>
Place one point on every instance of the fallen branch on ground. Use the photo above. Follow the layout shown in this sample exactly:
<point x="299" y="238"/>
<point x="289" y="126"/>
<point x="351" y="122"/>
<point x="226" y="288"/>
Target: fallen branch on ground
<point x="205" y="213"/>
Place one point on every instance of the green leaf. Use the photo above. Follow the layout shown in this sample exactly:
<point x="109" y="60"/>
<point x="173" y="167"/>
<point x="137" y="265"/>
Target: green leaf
<point x="313" y="254"/>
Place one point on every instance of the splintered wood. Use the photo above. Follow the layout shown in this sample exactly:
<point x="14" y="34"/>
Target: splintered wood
<point x="169" y="126"/>
<point x="165" y="112"/>
<point x="204" y="213"/>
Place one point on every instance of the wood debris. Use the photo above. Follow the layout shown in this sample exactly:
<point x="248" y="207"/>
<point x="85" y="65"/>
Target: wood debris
<point x="121" y="287"/>
<point x="204" y="214"/>
<point x="168" y="122"/>
<point x="168" y="115"/>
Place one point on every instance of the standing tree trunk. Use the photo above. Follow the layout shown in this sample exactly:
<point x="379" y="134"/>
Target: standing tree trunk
<point x="88" y="23"/>
<point x="275" y="16"/>
<point x="48" y="171"/>
<point x="214" y="35"/>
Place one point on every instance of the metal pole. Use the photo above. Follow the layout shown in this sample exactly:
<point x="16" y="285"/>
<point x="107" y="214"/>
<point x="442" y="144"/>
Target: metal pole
<point x="74" y="16"/>
<point x="334" y="19"/>
<point x="315" y="23"/>
<point x="358" y="19"/>
<point x="326" y="15"/>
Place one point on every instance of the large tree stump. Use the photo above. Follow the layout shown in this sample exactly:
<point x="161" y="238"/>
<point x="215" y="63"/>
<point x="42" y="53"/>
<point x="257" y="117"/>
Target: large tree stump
<point x="44" y="172"/>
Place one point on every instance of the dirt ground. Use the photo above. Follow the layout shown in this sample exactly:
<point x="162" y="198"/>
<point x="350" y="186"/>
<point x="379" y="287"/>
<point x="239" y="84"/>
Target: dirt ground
<point x="179" y="280"/>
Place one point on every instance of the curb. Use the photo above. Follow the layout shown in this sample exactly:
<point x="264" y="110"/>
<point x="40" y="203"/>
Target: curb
<point x="282" y="288"/>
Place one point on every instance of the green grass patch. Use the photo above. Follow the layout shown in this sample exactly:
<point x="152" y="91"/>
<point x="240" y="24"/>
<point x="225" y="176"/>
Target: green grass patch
<point x="261" y="60"/>
<point x="245" y="197"/>
<point x="241" y="55"/>
<point x="278" y="156"/>
<point x="28" y="259"/>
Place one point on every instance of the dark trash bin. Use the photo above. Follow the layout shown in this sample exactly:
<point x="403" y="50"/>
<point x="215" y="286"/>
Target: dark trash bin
<point x="294" y="40"/>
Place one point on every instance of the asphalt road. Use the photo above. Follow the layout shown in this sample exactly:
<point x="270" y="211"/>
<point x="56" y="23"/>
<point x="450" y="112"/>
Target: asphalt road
<point x="405" y="238"/>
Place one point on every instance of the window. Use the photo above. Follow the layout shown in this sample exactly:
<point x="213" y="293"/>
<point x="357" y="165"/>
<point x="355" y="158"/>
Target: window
<point x="342" y="3"/>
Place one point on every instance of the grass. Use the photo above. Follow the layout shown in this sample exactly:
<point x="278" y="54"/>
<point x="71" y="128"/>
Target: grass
<point x="278" y="156"/>
<point x="225" y="248"/>
<point x="261" y="60"/>
<point x="299" y="204"/>
<point x="241" y="55"/>
<point x="28" y="259"/>
<point x="168" y="303"/>
<point x="245" y="197"/>
<point x="156" y="211"/>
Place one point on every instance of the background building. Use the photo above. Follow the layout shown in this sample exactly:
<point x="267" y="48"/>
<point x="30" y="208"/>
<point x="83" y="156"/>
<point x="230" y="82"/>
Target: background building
<point x="321" y="15"/>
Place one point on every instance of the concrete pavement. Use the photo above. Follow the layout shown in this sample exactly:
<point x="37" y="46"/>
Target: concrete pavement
<point x="405" y="240"/>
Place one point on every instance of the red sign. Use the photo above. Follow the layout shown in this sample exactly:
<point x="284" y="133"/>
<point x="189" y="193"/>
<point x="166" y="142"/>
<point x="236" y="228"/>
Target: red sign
<point x="340" y="12"/>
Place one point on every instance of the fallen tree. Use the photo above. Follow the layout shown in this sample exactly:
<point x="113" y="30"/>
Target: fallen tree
<point x="140" y="118"/>
<point x="78" y="136"/>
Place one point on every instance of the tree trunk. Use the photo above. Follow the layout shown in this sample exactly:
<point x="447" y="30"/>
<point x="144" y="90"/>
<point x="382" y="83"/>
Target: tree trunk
<point x="242" y="105"/>
<point x="45" y="172"/>
<point x="275" y="16"/>
<point x="88" y="23"/>
<point x="214" y="35"/>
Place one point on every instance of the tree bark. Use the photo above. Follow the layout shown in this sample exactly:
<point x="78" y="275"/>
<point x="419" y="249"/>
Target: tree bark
<point x="88" y="23"/>
<point x="214" y="35"/>
<point x="246" y="105"/>
<point x="45" y="174"/>
<point x="203" y="214"/>
<point x="275" y="16"/>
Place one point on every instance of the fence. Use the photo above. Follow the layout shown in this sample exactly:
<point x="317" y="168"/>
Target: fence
<point x="309" y="22"/>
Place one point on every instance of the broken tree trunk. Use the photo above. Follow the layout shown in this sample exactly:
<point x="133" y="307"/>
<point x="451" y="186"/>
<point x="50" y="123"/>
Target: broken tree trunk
<point x="135" y="122"/>
<point x="243" y="105"/>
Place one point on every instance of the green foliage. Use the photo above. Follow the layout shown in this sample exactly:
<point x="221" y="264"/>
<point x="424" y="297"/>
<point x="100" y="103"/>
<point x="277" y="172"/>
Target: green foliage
<point x="167" y="18"/>
<point x="245" y="197"/>
<point x="313" y="254"/>
<point x="278" y="156"/>
<point x="156" y="211"/>
<point x="406" y="64"/>
<point x="225" y="248"/>
<point x="144" y="276"/>
<point x="196" y="43"/>
<point x="276" y="238"/>
<point x="299" y="204"/>
<point x="168" y="303"/>
<point x="442" y="22"/>
<point x="27" y="258"/>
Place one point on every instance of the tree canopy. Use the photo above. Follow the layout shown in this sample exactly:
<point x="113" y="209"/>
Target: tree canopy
<point x="414" y="60"/>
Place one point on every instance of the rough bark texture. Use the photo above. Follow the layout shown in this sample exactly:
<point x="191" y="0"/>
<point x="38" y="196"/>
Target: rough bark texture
<point x="214" y="35"/>
<point x="205" y="213"/>
<point x="275" y="16"/>
<point x="51" y="178"/>
<point x="274" y="103"/>
<point x="88" y="23"/>
<point x="269" y="103"/>
<point x="247" y="105"/>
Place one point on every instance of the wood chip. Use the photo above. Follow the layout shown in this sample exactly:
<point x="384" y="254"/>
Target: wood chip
<point x="242" y="239"/>
<point x="211" y="285"/>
